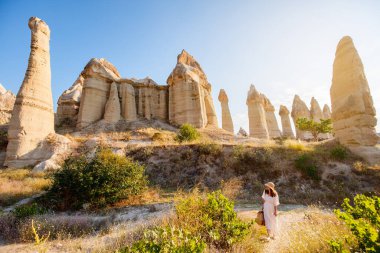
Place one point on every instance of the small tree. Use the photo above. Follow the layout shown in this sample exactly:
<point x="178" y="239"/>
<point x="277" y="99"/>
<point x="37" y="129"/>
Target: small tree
<point x="187" y="132"/>
<point x="315" y="128"/>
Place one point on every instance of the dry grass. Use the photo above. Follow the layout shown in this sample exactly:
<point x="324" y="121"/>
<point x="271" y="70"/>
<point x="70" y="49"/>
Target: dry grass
<point x="16" y="184"/>
<point x="314" y="231"/>
<point x="297" y="145"/>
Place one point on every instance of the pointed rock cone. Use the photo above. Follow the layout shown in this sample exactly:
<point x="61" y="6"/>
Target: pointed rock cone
<point x="287" y="131"/>
<point x="226" y="115"/>
<point x="353" y="114"/>
<point x="273" y="129"/>
<point x="32" y="117"/>
<point x="256" y="115"/>
<point x="300" y="110"/>
<point x="112" y="109"/>
<point x="190" y="98"/>
<point x="317" y="114"/>
<point x="326" y="112"/>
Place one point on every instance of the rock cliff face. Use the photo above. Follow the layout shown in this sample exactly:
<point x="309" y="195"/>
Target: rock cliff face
<point x="353" y="114"/>
<point x="227" y="123"/>
<point x="256" y="114"/>
<point x="112" y="108"/>
<point x="32" y="117"/>
<point x="7" y="100"/>
<point x="287" y="131"/>
<point x="190" y="98"/>
<point x="68" y="103"/>
<point x="98" y="76"/>
<point x="300" y="110"/>
<point x="273" y="130"/>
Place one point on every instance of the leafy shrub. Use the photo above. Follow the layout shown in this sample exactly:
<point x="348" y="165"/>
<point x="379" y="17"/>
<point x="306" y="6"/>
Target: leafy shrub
<point x="339" y="153"/>
<point x="187" y="132"/>
<point x="306" y="164"/>
<point x="28" y="210"/>
<point x="105" y="179"/>
<point x="363" y="219"/>
<point x="212" y="218"/>
<point x="167" y="239"/>
<point x="210" y="149"/>
<point x="315" y="128"/>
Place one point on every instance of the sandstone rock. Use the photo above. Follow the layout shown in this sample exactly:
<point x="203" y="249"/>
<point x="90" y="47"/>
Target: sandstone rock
<point x="273" y="130"/>
<point x="69" y="102"/>
<point x="317" y="114"/>
<point x="257" y="119"/>
<point x="242" y="132"/>
<point x="315" y="110"/>
<point x="190" y="98"/>
<point x="128" y="102"/>
<point x="98" y="76"/>
<point x="287" y="130"/>
<point x="112" y="108"/>
<point x="151" y="99"/>
<point x="300" y="110"/>
<point x="326" y="112"/>
<point x="353" y="114"/>
<point x="226" y="115"/>
<point x="32" y="117"/>
<point x="7" y="100"/>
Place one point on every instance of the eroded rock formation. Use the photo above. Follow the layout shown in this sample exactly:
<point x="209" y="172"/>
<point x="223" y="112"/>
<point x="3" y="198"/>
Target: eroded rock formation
<point x="32" y="117"/>
<point x="98" y="76"/>
<point x="300" y="110"/>
<point x="112" y="108"/>
<point x="317" y="114"/>
<point x="326" y="112"/>
<point x="287" y="131"/>
<point x="353" y="114"/>
<point x="273" y="130"/>
<point x="242" y="132"/>
<point x="7" y="100"/>
<point x="227" y="123"/>
<point x="190" y="98"/>
<point x="68" y="103"/>
<point x="256" y="114"/>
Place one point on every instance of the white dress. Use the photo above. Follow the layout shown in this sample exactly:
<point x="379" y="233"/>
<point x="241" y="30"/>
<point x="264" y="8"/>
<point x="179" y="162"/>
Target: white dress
<point x="269" y="217"/>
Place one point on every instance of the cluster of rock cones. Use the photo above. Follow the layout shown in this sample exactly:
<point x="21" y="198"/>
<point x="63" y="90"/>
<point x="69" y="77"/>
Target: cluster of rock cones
<point x="100" y="93"/>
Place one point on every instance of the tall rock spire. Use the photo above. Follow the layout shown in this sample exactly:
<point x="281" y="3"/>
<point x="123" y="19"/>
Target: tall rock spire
<point x="273" y="130"/>
<point x="32" y="117"/>
<point x="112" y="109"/>
<point x="300" y="110"/>
<point x="353" y="114"/>
<point x="256" y="114"/>
<point x="190" y="98"/>
<point x="285" y="122"/>
<point x="226" y="115"/>
<point x="326" y="112"/>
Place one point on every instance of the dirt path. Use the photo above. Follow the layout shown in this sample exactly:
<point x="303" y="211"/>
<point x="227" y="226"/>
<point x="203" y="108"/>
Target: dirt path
<point x="288" y="216"/>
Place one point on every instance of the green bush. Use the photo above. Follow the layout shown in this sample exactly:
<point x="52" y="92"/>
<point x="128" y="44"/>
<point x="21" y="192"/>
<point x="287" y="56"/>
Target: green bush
<point x="339" y="153"/>
<point x="28" y="210"/>
<point x="213" y="219"/>
<point x="363" y="219"/>
<point x="306" y="164"/>
<point x="167" y="239"/>
<point x="187" y="133"/>
<point x="105" y="179"/>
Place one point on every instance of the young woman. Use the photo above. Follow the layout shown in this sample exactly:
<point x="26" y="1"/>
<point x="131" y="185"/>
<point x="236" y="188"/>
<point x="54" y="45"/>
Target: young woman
<point x="271" y="201"/>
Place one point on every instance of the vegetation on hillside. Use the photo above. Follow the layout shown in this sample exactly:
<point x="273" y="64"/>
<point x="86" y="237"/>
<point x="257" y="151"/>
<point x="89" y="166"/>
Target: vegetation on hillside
<point x="103" y="180"/>
<point x="315" y="128"/>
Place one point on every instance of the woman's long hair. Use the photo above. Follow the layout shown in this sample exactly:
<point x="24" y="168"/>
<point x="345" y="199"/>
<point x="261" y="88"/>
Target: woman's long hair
<point x="271" y="192"/>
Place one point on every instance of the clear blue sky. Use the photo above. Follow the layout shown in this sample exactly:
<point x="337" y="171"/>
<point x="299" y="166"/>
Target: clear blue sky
<point x="283" y="47"/>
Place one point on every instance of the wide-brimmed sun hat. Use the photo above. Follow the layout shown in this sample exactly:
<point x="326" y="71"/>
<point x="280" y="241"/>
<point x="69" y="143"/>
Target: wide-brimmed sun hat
<point x="270" y="185"/>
